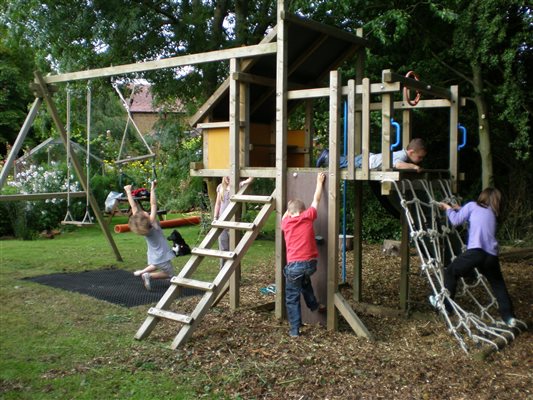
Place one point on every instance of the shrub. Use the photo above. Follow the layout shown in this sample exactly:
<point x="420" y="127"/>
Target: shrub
<point x="29" y="217"/>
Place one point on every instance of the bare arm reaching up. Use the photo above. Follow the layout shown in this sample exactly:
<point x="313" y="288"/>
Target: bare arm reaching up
<point x="320" y="178"/>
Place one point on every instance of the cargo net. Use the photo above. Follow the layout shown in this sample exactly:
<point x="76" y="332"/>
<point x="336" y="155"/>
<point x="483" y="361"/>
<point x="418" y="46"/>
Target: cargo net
<point x="470" y="318"/>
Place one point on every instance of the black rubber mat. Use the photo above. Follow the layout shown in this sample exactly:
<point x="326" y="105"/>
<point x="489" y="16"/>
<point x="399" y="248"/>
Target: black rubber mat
<point x="113" y="285"/>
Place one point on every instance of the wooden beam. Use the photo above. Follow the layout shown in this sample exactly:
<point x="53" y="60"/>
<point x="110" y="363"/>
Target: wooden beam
<point x="309" y="131"/>
<point x="235" y="161"/>
<point x="28" y="122"/>
<point x="424" y="87"/>
<point x="454" y="122"/>
<point x="294" y="65"/>
<point x="213" y="125"/>
<point x="270" y="172"/>
<point x="351" y="129"/>
<point x="358" y="185"/>
<point x="282" y="60"/>
<point x="217" y="95"/>
<point x="375" y="88"/>
<point x="254" y="79"/>
<point x="327" y="30"/>
<point x="386" y="131"/>
<point x="333" y="198"/>
<point x="404" y="263"/>
<point x="365" y="120"/>
<point x="40" y="196"/>
<point x="173" y="62"/>
<point x="351" y="317"/>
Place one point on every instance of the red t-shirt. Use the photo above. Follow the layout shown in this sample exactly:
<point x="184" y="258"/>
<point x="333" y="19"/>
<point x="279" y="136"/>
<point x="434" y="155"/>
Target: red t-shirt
<point x="300" y="236"/>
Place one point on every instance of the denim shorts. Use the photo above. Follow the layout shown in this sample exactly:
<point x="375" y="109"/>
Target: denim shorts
<point x="166" y="267"/>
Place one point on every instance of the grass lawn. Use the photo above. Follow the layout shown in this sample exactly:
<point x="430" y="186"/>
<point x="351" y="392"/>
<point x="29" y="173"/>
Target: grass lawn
<point x="57" y="344"/>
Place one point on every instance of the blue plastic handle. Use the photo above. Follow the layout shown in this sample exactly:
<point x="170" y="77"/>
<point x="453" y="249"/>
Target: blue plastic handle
<point x="398" y="134"/>
<point x="463" y="129"/>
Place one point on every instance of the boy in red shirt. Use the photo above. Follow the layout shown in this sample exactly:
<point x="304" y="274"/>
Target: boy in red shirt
<point x="302" y="254"/>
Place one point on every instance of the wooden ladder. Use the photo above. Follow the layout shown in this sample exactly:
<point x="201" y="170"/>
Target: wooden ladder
<point x="212" y="289"/>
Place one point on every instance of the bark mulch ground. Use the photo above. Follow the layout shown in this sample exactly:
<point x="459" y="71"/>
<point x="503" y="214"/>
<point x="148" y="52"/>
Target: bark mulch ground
<point x="248" y="354"/>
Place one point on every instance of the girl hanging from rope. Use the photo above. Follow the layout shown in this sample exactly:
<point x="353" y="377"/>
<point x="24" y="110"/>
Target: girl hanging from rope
<point x="159" y="253"/>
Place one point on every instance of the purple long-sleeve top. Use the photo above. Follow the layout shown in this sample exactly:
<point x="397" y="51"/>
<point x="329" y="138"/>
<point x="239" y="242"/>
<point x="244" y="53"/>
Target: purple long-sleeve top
<point x="481" y="226"/>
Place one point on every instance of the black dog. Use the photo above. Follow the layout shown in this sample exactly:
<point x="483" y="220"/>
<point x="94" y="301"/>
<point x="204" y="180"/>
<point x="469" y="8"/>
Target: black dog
<point x="180" y="248"/>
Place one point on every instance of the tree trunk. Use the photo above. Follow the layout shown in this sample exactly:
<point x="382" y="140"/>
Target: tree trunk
<point x="487" y="174"/>
<point x="241" y="16"/>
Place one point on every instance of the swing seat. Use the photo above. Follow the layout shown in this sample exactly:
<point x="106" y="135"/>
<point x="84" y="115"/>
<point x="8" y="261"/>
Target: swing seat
<point x="68" y="220"/>
<point x="131" y="159"/>
<point x="79" y="224"/>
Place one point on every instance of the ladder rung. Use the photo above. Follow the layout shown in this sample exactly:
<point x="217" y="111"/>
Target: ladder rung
<point x="157" y="312"/>
<point x="193" y="283"/>
<point x="244" y="226"/>
<point x="228" y="255"/>
<point x="247" y="198"/>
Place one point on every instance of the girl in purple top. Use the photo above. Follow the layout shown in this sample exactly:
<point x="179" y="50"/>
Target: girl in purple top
<point x="482" y="248"/>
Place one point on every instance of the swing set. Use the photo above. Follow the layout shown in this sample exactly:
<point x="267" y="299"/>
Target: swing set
<point x="87" y="219"/>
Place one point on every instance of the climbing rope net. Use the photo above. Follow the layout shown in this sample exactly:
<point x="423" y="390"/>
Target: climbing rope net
<point x="470" y="320"/>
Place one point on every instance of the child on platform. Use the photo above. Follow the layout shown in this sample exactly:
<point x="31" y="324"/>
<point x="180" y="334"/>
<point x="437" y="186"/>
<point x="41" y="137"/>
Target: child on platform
<point x="159" y="253"/>
<point x="408" y="158"/>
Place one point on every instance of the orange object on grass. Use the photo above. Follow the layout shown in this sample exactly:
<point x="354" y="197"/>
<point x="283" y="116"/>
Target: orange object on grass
<point x="169" y="223"/>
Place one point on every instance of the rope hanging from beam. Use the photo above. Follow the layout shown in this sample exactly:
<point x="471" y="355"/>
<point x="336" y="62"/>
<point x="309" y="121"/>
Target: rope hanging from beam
<point x="126" y="104"/>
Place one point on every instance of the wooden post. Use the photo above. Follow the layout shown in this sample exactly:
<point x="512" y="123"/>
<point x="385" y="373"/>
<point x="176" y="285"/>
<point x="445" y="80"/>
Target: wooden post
<point x="386" y="128"/>
<point x="352" y="130"/>
<point x="358" y="185"/>
<point x="335" y="99"/>
<point x="235" y="157"/>
<point x="404" y="264"/>
<point x="309" y="132"/>
<point x="365" y="127"/>
<point x="281" y="152"/>
<point x="20" y="139"/>
<point x="454" y="121"/>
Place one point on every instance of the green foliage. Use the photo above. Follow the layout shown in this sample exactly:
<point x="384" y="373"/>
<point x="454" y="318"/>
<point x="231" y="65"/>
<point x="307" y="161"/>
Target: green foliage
<point x="378" y="223"/>
<point x="29" y="217"/>
<point x="15" y="72"/>
<point x="177" y="190"/>
<point x="443" y="41"/>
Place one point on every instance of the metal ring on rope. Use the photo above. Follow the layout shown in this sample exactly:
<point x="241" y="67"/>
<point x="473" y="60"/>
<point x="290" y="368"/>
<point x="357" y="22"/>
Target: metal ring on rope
<point x="406" y="92"/>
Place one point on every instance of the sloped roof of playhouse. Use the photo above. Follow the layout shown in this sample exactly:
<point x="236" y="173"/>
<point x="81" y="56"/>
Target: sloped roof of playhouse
<point x="314" y="49"/>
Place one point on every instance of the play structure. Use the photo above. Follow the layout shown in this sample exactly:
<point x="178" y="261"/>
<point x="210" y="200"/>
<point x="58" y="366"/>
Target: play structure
<point x="245" y="134"/>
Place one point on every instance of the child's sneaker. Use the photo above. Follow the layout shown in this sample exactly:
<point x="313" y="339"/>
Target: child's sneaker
<point x="139" y="272"/>
<point x="146" y="280"/>
<point x="294" y="332"/>
<point x="511" y="322"/>
<point x="433" y="301"/>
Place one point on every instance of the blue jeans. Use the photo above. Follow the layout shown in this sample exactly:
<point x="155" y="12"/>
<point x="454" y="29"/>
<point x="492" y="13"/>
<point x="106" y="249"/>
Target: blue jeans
<point x="298" y="281"/>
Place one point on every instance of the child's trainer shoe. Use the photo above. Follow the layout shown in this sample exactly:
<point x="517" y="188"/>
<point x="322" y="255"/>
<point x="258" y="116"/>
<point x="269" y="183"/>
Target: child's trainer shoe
<point x="146" y="281"/>
<point x="433" y="301"/>
<point x="511" y="323"/>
